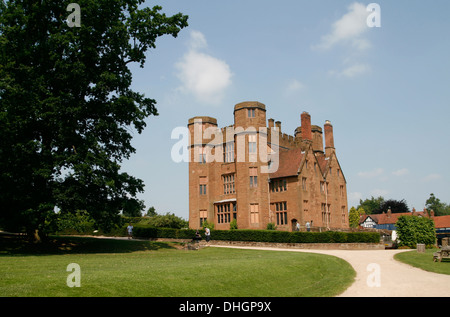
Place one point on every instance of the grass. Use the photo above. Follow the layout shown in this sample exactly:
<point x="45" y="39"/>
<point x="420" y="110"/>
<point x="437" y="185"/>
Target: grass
<point x="424" y="261"/>
<point x="143" y="268"/>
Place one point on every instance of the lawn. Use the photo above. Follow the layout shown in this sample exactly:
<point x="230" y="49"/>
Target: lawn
<point x="424" y="261"/>
<point x="143" y="268"/>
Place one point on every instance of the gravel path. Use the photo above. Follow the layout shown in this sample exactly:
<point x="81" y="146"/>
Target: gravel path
<point x="379" y="275"/>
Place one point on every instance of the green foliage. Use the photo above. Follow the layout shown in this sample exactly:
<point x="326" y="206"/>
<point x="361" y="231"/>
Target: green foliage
<point x="412" y="230"/>
<point x="394" y="205"/>
<point x="207" y="224"/>
<point x="169" y="220"/>
<point x="379" y="205"/>
<point x="67" y="110"/>
<point x="151" y="212"/>
<point x="79" y="222"/>
<point x="261" y="235"/>
<point x="435" y="204"/>
<point x="271" y="226"/>
<point x="353" y="217"/>
<point x="233" y="224"/>
<point x="372" y="205"/>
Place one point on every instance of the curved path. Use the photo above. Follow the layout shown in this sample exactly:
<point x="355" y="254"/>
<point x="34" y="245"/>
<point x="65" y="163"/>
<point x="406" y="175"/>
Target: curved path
<point x="379" y="275"/>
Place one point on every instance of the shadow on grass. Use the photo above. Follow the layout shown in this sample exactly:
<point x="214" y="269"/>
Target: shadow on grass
<point x="17" y="245"/>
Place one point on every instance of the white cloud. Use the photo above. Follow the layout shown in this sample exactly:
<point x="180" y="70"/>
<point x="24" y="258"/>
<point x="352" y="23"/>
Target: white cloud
<point x="371" y="174"/>
<point x="401" y="172"/>
<point x="432" y="177"/>
<point x="294" y="86"/>
<point x="351" y="71"/>
<point x="198" y="41"/>
<point x="349" y="29"/>
<point x="205" y="76"/>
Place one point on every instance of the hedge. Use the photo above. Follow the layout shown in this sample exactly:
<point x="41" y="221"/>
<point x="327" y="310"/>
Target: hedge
<point x="141" y="231"/>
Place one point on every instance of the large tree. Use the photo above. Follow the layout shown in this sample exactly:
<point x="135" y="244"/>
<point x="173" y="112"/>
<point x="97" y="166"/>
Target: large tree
<point x="435" y="204"/>
<point x="396" y="206"/>
<point x="67" y="109"/>
<point x="379" y="205"/>
<point x="372" y="205"/>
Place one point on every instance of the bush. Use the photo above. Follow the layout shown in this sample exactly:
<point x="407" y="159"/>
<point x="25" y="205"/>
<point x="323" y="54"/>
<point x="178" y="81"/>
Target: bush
<point x="79" y="222"/>
<point x="271" y="226"/>
<point x="207" y="224"/>
<point x="413" y="230"/>
<point x="166" y="221"/>
<point x="142" y="231"/>
<point x="233" y="224"/>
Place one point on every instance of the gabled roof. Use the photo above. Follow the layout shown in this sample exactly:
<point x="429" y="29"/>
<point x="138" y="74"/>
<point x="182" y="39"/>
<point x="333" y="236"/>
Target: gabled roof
<point x="289" y="163"/>
<point x="363" y="218"/>
<point x="386" y="218"/>
<point x="323" y="163"/>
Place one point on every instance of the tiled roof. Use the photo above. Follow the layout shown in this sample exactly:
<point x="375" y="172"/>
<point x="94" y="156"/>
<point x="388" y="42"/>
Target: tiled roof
<point x="442" y="221"/>
<point x="386" y="218"/>
<point x="289" y="163"/>
<point x="363" y="218"/>
<point x="322" y="163"/>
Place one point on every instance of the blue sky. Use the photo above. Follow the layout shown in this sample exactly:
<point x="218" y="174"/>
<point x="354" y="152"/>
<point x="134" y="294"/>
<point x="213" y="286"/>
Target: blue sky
<point x="386" y="89"/>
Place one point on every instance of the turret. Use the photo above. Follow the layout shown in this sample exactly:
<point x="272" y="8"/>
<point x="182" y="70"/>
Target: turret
<point x="250" y="114"/>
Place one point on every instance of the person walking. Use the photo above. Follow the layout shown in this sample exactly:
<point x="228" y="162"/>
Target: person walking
<point x="130" y="231"/>
<point x="308" y="226"/>
<point x="207" y="234"/>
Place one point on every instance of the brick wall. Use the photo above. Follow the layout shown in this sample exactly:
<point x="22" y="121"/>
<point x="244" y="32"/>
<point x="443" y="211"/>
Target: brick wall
<point x="315" y="189"/>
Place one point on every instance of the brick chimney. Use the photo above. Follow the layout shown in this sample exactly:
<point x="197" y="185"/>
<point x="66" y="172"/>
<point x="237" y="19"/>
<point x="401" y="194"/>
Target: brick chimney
<point x="306" y="126"/>
<point x="278" y="125"/>
<point x="271" y="123"/>
<point x="329" y="139"/>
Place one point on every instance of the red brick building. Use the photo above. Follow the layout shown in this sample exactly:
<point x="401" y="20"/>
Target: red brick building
<point x="252" y="172"/>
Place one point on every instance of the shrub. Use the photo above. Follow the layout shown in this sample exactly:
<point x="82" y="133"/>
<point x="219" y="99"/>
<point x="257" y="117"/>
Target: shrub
<point x="79" y="222"/>
<point x="145" y="231"/>
<point x="207" y="224"/>
<point x="271" y="226"/>
<point x="413" y="230"/>
<point x="233" y="224"/>
<point x="169" y="220"/>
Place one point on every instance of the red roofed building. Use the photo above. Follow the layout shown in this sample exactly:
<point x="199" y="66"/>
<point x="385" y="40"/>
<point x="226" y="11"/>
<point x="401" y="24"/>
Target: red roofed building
<point x="388" y="220"/>
<point x="253" y="172"/>
<point x="442" y="225"/>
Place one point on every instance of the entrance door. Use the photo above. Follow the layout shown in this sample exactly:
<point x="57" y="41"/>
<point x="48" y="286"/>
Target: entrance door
<point x="294" y="224"/>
